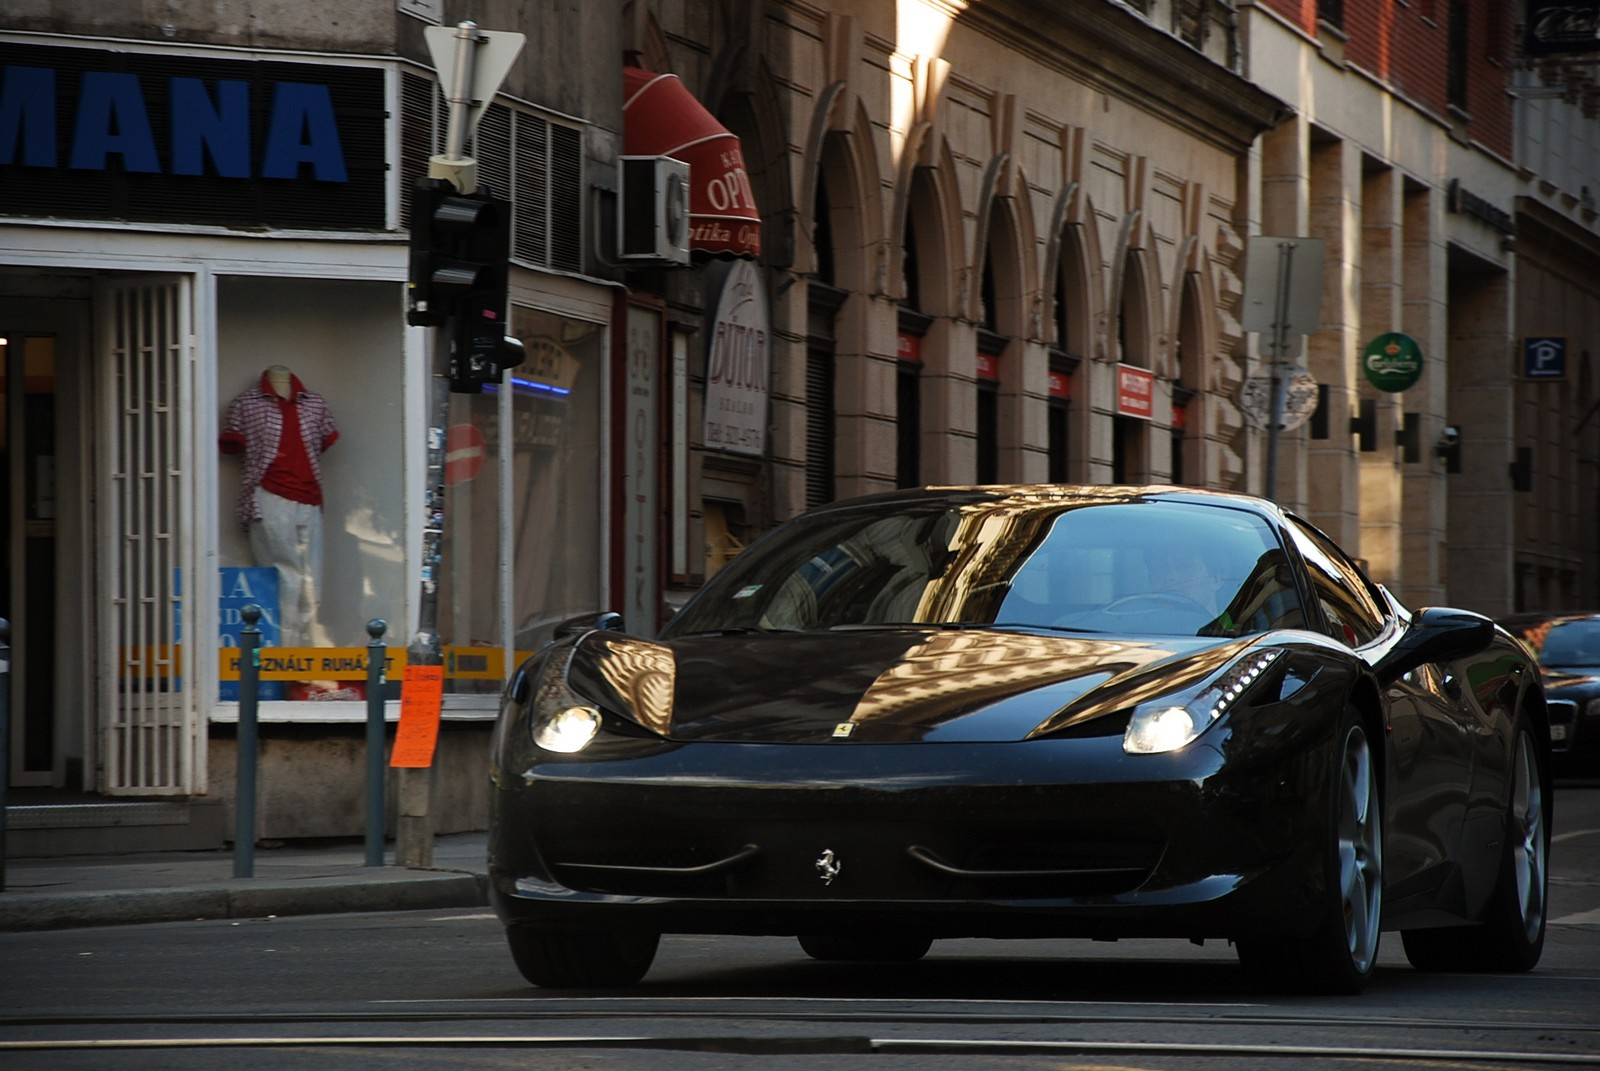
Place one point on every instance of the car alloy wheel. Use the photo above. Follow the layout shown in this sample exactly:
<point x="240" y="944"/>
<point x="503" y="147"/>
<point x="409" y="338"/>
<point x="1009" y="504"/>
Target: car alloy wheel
<point x="1526" y="839"/>
<point x="1511" y="937"/>
<point x="1338" y="956"/>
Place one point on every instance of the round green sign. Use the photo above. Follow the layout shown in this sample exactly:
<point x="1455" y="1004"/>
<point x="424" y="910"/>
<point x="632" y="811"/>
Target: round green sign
<point x="1392" y="361"/>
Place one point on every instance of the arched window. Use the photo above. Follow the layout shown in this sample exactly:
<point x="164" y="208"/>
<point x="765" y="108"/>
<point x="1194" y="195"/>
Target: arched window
<point x="1071" y="296"/>
<point x="1130" y="461"/>
<point x="990" y="345"/>
<point x="913" y="324"/>
<point x="1187" y="375"/>
<point x="823" y="306"/>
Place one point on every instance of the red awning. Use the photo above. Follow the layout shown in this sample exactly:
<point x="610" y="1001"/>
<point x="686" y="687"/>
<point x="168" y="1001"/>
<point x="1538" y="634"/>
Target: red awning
<point x="660" y="117"/>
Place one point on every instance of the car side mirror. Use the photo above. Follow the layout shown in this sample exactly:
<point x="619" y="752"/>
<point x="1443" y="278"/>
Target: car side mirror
<point x="1436" y="634"/>
<point x="609" y="621"/>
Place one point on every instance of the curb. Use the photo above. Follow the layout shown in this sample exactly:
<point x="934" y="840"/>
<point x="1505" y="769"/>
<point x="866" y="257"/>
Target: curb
<point x="313" y="896"/>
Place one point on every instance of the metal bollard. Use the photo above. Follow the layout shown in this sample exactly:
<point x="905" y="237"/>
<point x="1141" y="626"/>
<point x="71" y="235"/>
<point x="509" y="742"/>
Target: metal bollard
<point x="244" y="802"/>
<point x="5" y="737"/>
<point x="377" y="659"/>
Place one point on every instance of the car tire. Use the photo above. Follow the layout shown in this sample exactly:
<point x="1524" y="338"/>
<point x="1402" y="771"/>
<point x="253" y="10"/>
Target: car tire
<point x="1511" y="937"/>
<point x="876" y="948"/>
<point x="582" y="959"/>
<point x="1339" y="954"/>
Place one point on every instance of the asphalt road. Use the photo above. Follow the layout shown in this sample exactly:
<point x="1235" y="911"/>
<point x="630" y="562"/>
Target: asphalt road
<point x="438" y="989"/>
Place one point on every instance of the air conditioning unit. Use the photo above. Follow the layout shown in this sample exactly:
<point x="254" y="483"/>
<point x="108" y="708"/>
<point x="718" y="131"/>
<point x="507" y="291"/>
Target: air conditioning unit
<point x="653" y="210"/>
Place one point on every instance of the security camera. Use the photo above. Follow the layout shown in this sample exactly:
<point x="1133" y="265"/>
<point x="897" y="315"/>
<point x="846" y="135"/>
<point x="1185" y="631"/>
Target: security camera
<point x="1449" y="447"/>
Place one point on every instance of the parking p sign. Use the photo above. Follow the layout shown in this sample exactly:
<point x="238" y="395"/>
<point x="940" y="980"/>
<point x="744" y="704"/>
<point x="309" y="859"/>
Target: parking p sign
<point x="1544" y="357"/>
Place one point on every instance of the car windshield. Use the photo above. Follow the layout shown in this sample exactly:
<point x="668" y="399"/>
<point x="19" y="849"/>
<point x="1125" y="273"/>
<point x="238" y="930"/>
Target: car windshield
<point x="1571" y="643"/>
<point x="1122" y="565"/>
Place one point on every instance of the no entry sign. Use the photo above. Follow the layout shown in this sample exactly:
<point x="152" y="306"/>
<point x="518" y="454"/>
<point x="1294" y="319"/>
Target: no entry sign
<point x="464" y="452"/>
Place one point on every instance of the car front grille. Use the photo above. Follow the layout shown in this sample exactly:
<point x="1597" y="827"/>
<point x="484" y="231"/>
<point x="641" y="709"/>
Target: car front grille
<point x="773" y="853"/>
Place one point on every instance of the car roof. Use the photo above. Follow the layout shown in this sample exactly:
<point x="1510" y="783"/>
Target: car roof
<point x="1067" y="494"/>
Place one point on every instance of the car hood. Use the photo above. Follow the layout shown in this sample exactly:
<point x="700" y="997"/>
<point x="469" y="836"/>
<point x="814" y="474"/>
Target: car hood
<point x="886" y="685"/>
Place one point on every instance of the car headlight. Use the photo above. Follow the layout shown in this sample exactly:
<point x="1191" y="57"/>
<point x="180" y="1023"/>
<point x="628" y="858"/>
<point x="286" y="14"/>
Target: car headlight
<point x="561" y="720"/>
<point x="1591" y="709"/>
<point x="1169" y="723"/>
<point x="568" y="730"/>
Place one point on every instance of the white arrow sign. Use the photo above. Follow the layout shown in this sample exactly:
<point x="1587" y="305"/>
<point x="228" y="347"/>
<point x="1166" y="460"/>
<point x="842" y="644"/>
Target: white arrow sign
<point x="491" y="59"/>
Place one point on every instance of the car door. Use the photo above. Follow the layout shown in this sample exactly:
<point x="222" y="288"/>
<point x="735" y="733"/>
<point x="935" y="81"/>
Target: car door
<point x="1427" y="758"/>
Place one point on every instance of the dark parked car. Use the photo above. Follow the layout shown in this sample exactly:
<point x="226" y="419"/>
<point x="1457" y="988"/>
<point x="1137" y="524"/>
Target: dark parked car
<point x="1568" y="649"/>
<point x="1029" y="711"/>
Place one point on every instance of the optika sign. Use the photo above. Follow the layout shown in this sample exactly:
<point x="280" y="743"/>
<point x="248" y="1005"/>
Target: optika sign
<point x="93" y="133"/>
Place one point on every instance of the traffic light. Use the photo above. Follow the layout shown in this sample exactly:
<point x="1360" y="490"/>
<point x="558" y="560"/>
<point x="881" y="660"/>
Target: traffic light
<point x="480" y="349"/>
<point x="460" y="244"/>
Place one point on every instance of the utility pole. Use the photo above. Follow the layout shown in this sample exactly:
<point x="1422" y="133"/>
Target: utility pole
<point x="1283" y="301"/>
<point x="459" y="250"/>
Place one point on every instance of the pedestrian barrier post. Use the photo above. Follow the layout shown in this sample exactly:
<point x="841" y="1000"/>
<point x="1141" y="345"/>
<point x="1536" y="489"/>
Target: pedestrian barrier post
<point x="376" y="664"/>
<point x="244" y="803"/>
<point x="5" y="737"/>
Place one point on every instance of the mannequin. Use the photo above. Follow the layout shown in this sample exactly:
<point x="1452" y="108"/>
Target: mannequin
<point x="281" y="429"/>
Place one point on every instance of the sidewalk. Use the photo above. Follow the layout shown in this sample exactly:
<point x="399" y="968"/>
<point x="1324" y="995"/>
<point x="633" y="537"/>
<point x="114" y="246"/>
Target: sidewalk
<point x="106" y="890"/>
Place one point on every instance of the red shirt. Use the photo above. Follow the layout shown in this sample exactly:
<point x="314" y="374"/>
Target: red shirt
<point x="289" y="474"/>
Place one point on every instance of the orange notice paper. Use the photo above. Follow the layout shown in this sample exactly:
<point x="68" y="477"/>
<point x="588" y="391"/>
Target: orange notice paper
<point x="421" y="696"/>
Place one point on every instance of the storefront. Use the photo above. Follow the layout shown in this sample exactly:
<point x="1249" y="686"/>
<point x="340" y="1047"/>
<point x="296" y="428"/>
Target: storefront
<point x="179" y="224"/>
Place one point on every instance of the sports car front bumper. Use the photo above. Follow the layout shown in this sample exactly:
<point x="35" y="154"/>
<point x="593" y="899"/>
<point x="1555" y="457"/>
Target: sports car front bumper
<point x="1032" y="838"/>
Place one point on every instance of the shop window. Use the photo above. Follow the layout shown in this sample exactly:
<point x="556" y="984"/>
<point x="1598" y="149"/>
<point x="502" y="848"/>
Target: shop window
<point x="988" y="431"/>
<point x="554" y="418"/>
<point x="327" y="568"/>
<point x="1058" y="441"/>
<point x="908" y="399"/>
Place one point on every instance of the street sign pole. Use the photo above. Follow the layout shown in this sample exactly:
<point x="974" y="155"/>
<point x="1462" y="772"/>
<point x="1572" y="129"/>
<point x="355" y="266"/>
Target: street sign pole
<point x="1279" y="346"/>
<point x="1282" y="303"/>
<point x="469" y="86"/>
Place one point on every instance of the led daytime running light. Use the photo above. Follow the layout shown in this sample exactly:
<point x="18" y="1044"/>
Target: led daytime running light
<point x="1234" y="683"/>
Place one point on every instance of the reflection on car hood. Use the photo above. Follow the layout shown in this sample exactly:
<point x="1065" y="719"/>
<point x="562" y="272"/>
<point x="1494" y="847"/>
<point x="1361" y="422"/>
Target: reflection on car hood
<point x="890" y="685"/>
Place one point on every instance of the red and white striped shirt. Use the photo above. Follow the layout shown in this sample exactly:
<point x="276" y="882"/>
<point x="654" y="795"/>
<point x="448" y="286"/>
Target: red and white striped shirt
<point x="254" y="427"/>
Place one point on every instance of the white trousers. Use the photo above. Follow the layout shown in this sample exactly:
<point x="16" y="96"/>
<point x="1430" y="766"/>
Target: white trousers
<point x="288" y="537"/>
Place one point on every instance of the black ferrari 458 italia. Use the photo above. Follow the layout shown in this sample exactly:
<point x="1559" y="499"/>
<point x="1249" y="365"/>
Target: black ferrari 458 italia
<point x="1029" y="712"/>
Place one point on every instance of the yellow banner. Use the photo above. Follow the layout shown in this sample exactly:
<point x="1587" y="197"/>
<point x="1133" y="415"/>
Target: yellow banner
<point x="350" y="663"/>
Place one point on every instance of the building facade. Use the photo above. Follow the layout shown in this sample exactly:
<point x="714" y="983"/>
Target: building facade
<point x="1556" y="446"/>
<point x="190" y="206"/>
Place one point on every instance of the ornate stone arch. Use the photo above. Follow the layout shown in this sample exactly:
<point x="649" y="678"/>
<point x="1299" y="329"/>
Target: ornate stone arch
<point x="1017" y="279"/>
<point x="930" y="196"/>
<point x="839" y="152"/>
<point x="1136" y="304"/>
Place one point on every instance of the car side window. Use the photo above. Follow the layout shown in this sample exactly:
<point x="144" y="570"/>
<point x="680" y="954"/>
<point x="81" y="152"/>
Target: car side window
<point x="1352" y="613"/>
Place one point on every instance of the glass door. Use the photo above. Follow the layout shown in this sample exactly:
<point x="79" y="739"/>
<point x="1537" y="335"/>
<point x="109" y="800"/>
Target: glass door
<point x="28" y="595"/>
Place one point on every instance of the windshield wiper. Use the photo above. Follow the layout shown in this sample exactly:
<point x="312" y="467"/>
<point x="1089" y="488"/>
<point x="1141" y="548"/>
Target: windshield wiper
<point x="953" y="626"/>
<point x="737" y="630"/>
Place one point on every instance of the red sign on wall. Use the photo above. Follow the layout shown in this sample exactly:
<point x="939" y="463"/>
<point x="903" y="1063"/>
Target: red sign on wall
<point x="988" y="367"/>
<point x="909" y="347"/>
<point x="1136" y="391"/>
<point x="1060" y="385"/>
